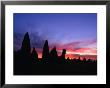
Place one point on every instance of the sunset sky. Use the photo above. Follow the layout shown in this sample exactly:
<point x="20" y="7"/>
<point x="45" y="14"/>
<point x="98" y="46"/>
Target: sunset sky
<point x="75" y="32"/>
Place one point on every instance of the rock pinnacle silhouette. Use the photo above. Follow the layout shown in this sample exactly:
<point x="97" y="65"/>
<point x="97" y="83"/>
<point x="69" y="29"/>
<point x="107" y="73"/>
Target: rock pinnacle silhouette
<point x="26" y="47"/>
<point x="45" y="53"/>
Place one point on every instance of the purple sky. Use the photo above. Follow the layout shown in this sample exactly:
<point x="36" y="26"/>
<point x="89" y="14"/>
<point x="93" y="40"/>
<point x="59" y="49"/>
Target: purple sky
<point x="63" y="30"/>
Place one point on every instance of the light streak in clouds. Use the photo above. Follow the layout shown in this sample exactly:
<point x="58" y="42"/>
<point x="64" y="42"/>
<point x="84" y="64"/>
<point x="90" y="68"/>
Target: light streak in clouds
<point x="75" y="45"/>
<point x="86" y="51"/>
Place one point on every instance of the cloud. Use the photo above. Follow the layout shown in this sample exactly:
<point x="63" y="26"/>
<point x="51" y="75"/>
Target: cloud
<point x="37" y="41"/>
<point x="81" y="44"/>
<point x="75" y="45"/>
<point x="18" y="37"/>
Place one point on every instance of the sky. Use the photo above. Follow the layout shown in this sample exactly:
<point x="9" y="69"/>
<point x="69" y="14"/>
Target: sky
<point x="75" y="32"/>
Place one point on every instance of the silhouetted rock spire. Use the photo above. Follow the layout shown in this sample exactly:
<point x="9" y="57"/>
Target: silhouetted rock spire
<point x="79" y="59"/>
<point x="63" y="53"/>
<point x="68" y="58"/>
<point x="53" y="55"/>
<point x="26" y="47"/>
<point x="45" y="53"/>
<point x="62" y="57"/>
<point x="25" y="51"/>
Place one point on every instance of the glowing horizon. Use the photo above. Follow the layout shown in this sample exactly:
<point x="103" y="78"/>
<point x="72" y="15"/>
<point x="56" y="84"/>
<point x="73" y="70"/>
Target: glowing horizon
<point x="75" y="32"/>
<point x="72" y="54"/>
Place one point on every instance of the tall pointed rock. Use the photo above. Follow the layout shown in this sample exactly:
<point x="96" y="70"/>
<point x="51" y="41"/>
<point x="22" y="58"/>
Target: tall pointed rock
<point x="53" y="56"/>
<point x="63" y="53"/>
<point x="26" y="47"/>
<point x="45" y="53"/>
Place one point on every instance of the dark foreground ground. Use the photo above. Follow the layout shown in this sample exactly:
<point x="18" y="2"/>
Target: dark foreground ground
<point x="56" y="69"/>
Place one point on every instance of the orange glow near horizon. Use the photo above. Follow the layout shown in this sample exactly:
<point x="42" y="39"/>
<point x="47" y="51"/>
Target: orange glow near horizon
<point x="83" y="53"/>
